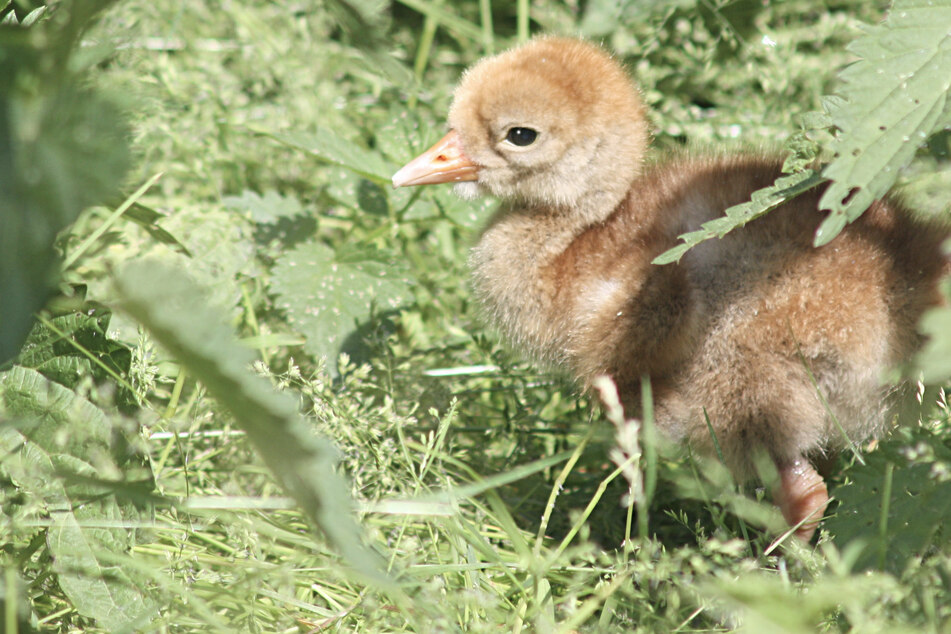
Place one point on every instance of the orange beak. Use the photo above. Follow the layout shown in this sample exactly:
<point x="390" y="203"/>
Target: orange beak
<point x="444" y="162"/>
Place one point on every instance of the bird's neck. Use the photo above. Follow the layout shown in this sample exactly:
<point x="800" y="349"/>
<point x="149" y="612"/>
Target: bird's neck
<point x="517" y="277"/>
<point x="559" y="287"/>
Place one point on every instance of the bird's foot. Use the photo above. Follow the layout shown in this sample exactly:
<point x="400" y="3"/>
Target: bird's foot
<point x="802" y="496"/>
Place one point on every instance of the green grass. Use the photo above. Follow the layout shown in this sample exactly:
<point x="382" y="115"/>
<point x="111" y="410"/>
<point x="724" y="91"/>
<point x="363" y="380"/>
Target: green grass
<point x="167" y="472"/>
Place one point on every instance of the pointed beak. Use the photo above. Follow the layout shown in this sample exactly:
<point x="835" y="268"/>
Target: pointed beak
<point x="445" y="162"/>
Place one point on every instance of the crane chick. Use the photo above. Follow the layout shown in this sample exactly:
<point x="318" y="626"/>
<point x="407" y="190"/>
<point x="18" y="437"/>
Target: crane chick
<point x="737" y="330"/>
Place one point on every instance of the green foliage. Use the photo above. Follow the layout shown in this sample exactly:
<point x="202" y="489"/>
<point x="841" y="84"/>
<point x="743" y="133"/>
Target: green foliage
<point x="69" y="467"/>
<point x="328" y="294"/>
<point x="74" y="344"/>
<point x="934" y="359"/>
<point x="880" y="508"/>
<point x="62" y="148"/>
<point x="890" y="102"/>
<point x="175" y="310"/>
<point x="265" y="240"/>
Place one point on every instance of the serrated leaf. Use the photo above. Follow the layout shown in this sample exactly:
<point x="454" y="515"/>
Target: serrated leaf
<point x="329" y="294"/>
<point x="48" y="409"/>
<point x="761" y="201"/>
<point x="890" y="102"/>
<point x="69" y="346"/>
<point x="60" y="436"/>
<point x="97" y="587"/>
<point x="266" y="209"/>
<point x="918" y="504"/>
<point x="176" y="312"/>
<point x="327" y="146"/>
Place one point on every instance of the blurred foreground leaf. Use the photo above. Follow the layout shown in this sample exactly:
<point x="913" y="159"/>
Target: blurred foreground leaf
<point x="63" y="147"/>
<point x="934" y="358"/>
<point x="177" y="313"/>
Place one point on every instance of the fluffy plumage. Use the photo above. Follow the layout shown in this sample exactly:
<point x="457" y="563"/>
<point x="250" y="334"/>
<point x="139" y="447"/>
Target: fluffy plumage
<point x="556" y="129"/>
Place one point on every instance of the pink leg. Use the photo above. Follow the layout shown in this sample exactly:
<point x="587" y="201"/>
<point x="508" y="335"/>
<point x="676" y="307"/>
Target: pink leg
<point x="802" y="496"/>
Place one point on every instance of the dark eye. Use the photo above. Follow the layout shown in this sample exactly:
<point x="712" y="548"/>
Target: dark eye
<point x="521" y="136"/>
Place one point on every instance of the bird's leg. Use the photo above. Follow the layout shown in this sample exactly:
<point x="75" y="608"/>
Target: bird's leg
<point x="801" y="496"/>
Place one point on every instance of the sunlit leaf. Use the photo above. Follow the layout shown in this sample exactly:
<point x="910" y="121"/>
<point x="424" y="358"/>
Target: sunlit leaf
<point x="934" y="359"/>
<point x="329" y="294"/>
<point x="890" y="102"/>
<point x="266" y="209"/>
<point x="69" y="346"/>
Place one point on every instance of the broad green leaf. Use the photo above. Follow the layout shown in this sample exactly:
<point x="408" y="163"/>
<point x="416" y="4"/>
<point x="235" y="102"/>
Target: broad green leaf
<point x="53" y="416"/>
<point x="892" y="480"/>
<point x="75" y="344"/>
<point x="890" y="102"/>
<point x="329" y="295"/>
<point x="176" y="312"/>
<point x="60" y="437"/>
<point x="266" y="209"/>
<point x="98" y="587"/>
<point x="327" y="146"/>
<point x="763" y="200"/>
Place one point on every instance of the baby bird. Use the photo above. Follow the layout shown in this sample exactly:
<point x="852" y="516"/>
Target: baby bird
<point x="736" y="331"/>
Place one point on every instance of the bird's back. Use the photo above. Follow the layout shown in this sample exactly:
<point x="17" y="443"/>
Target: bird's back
<point x="757" y="329"/>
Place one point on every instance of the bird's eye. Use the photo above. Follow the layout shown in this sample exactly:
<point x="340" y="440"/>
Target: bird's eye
<point x="521" y="136"/>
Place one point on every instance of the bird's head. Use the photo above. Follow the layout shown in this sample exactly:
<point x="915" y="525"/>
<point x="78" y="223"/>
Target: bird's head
<point x="555" y="123"/>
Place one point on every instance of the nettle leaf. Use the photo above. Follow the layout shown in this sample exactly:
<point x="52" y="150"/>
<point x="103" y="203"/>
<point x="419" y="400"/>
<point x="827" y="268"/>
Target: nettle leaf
<point x="266" y="209"/>
<point x="329" y="147"/>
<point x="356" y="192"/>
<point x="177" y="313"/>
<point x="75" y="344"/>
<point x="911" y="478"/>
<point x="98" y="586"/>
<point x="891" y="101"/>
<point x="329" y="295"/>
<point x="50" y="453"/>
<point x="763" y="200"/>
